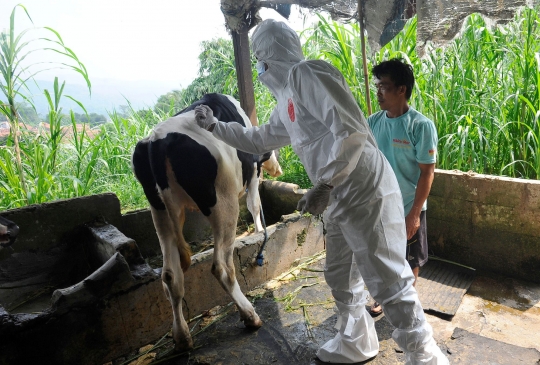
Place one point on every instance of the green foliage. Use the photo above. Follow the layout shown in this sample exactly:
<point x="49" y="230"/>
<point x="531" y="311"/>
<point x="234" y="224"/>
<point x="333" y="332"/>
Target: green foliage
<point x="483" y="94"/>
<point x="57" y="162"/>
<point x="31" y="178"/>
<point x="339" y="45"/>
<point x="293" y="170"/>
<point x="76" y="160"/>
<point x="482" y="90"/>
<point x="27" y="114"/>
<point x="217" y="74"/>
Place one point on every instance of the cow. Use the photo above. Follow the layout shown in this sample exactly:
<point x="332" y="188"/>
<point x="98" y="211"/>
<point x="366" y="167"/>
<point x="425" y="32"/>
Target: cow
<point x="8" y="232"/>
<point x="181" y="166"/>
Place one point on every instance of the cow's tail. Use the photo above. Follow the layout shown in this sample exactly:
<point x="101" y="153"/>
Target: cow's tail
<point x="143" y="172"/>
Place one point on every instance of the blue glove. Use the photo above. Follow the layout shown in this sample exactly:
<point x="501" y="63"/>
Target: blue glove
<point x="205" y="117"/>
<point x="315" y="200"/>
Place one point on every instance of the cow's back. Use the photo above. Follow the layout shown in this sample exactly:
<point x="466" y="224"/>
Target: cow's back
<point x="202" y="166"/>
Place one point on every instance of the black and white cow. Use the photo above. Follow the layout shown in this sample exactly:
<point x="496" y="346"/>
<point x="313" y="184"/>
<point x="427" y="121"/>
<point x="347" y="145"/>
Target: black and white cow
<point x="8" y="232"/>
<point x="183" y="166"/>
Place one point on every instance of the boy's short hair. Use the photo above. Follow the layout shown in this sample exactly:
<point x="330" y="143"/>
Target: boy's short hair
<point x="398" y="71"/>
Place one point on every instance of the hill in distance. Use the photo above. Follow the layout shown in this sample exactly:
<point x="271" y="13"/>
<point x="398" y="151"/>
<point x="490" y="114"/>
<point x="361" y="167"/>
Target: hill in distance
<point x="107" y="95"/>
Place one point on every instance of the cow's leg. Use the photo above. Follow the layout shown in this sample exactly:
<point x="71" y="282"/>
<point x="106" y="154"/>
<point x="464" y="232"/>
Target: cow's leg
<point x="223" y="220"/>
<point x="271" y="165"/>
<point x="172" y="275"/>
<point x="253" y="201"/>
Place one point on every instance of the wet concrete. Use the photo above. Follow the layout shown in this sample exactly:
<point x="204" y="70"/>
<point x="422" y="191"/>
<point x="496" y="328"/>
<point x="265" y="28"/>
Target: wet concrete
<point x="499" y="308"/>
<point x="297" y="310"/>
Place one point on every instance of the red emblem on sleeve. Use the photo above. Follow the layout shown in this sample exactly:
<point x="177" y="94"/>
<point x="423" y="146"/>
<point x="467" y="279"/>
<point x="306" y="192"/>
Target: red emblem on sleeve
<point x="290" y="109"/>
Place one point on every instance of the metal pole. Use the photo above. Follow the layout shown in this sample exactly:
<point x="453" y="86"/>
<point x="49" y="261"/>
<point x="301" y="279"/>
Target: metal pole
<point x="364" y="58"/>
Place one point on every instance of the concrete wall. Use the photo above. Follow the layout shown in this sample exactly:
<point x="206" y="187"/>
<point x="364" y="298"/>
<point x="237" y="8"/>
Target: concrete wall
<point x="44" y="226"/>
<point x="108" y="301"/>
<point x="278" y="198"/>
<point x="486" y="222"/>
<point x="481" y="221"/>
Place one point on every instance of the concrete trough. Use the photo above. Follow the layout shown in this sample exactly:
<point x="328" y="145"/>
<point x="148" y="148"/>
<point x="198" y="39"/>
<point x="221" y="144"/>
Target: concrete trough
<point x="78" y="288"/>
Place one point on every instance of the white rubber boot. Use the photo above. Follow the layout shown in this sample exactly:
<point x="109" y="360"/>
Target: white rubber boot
<point x="356" y="340"/>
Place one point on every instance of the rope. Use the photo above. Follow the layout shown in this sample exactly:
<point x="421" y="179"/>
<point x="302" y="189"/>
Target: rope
<point x="260" y="256"/>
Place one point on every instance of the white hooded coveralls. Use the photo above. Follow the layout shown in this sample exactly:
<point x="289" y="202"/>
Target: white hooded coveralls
<point x="317" y="114"/>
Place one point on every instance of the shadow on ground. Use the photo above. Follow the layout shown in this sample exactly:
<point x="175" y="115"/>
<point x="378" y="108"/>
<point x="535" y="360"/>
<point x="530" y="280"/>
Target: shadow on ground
<point x="298" y="315"/>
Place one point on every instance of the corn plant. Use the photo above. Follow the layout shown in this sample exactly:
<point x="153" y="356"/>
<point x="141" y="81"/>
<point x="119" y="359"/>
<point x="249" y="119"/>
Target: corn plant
<point x="482" y="90"/>
<point x="337" y="44"/>
<point x="14" y="49"/>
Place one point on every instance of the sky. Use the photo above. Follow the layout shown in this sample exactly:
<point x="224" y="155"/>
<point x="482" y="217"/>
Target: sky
<point x="127" y="42"/>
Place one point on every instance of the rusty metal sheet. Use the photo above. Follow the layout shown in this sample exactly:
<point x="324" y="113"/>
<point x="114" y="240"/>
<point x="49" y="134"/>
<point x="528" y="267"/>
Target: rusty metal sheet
<point x="468" y="348"/>
<point x="441" y="286"/>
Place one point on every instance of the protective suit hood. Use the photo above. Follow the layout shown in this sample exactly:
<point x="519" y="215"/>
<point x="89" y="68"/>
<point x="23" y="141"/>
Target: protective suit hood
<point x="277" y="45"/>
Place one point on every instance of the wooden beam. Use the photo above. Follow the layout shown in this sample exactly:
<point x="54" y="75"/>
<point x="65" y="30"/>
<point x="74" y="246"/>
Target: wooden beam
<point x="244" y="74"/>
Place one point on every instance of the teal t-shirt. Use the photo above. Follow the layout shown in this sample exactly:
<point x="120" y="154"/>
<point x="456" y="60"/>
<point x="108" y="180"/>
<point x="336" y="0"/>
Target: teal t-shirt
<point x="406" y="141"/>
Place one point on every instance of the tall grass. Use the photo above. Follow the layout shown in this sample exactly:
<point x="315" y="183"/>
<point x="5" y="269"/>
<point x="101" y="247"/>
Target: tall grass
<point x="488" y="122"/>
<point x="29" y="161"/>
<point x="482" y="90"/>
<point x="89" y="161"/>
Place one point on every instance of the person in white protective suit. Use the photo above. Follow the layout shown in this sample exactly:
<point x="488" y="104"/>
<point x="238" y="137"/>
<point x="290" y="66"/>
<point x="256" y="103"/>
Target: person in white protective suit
<point x="317" y="114"/>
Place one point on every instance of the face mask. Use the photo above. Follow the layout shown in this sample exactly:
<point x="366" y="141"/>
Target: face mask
<point x="260" y="67"/>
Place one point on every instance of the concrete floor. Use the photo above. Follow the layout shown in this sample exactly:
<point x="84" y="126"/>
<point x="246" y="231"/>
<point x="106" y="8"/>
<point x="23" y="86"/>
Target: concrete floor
<point x="503" y="309"/>
<point x="297" y="311"/>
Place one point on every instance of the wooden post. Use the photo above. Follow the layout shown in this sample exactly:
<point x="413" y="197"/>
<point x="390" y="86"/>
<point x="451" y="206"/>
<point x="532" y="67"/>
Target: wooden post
<point x="364" y="58"/>
<point x="244" y="74"/>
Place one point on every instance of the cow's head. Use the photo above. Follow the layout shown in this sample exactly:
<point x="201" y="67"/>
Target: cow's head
<point x="8" y="232"/>
<point x="269" y="163"/>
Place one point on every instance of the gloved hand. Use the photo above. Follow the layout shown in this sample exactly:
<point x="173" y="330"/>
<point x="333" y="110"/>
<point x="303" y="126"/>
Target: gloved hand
<point x="315" y="200"/>
<point x="205" y="117"/>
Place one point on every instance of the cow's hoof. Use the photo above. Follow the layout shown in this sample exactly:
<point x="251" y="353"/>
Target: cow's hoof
<point x="253" y="322"/>
<point x="183" y="346"/>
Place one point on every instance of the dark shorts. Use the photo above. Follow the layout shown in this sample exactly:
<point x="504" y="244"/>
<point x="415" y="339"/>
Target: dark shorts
<point x="417" y="246"/>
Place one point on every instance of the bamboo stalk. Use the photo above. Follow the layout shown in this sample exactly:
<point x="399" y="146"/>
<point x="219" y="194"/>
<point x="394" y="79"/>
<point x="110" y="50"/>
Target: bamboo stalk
<point x="364" y="57"/>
